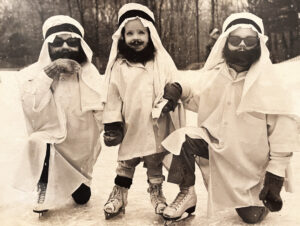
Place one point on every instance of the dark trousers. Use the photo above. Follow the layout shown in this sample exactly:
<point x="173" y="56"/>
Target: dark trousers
<point x="81" y="195"/>
<point x="182" y="169"/>
<point x="44" y="175"/>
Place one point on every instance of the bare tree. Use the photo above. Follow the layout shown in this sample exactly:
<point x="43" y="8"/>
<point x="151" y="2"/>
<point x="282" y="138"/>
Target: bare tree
<point x="70" y="8"/>
<point x="81" y="11"/>
<point x="159" y="16"/>
<point x="197" y="30"/>
<point x="38" y="5"/>
<point x="212" y="14"/>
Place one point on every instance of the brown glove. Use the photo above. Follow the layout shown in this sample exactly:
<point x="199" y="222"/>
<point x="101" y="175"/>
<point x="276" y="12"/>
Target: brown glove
<point x="270" y="194"/>
<point x="172" y="93"/>
<point x="113" y="133"/>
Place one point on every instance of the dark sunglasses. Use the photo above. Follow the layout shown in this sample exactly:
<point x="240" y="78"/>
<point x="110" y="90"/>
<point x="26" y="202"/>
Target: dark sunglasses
<point x="249" y="40"/>
<point x="72" y="42"/>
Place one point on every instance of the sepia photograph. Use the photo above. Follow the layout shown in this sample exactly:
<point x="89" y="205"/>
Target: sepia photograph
<point x="149" y="112"/>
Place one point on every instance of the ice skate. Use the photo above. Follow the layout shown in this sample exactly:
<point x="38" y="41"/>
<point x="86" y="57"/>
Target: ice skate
<point x="157" y="197"/>
<point x="40" y="207"/>
<point x="116" y="202"/>
<point x="182" y="207"/>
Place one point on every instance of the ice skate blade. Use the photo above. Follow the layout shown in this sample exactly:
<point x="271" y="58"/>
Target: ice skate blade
<point x="185" y="215"/>
<point x="112" y="215"/>
<point x="40" y="212"/>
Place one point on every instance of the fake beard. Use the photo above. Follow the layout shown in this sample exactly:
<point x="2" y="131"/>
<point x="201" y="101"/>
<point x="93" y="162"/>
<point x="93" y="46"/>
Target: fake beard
<point x="241" y="58"/>
<point x="78" y="56"/>
<point x="136" y="56"/>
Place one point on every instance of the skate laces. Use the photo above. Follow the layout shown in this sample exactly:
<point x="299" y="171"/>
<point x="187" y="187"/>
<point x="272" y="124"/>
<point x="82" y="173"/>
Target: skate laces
<point x="156" y="193"/>
<point x="117" y="197"/>
<point x="42" y="192"/>
<point x="116" y="194"/>
<point x="181" y="196"/>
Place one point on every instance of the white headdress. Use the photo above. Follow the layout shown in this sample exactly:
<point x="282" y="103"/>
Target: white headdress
<point x="61" y="24"/>
<point x="90" y="81"/>
<point x="264" y="90"/>
<point x="164" y="66"/>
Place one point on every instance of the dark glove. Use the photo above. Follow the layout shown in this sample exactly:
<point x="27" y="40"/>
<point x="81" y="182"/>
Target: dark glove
<point x="113" y="133"/>
<point x="270" y="194"/>
<point x="172" y="93"/>
<point x="197" y="147"/>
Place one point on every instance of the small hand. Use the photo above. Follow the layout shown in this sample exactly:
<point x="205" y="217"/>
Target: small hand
<point x="172" y="93"/>
<point x="112" y="137"/>
<point x="66" y="66"/>
<point x="270" y="194"/>
<point x="169" y="107"/>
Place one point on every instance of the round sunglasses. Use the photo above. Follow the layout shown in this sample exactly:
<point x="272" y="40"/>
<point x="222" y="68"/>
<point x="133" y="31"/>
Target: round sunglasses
<point x="72" y="42"/>
<point x="249" y="40"/>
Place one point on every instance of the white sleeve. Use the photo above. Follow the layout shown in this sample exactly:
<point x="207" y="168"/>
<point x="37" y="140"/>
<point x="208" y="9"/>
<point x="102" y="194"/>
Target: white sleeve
<point x="113" y="106"/>
<point x="36" y="92"/>
<point x="283" y="140"/>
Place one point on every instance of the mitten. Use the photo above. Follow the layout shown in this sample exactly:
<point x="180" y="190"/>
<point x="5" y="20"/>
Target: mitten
<point x="62" y="65"/>
<point x="172" y="93"/>
<point x="113" y="133"/>
<point x="198" y="147"/>
<point x="270" y="194"/>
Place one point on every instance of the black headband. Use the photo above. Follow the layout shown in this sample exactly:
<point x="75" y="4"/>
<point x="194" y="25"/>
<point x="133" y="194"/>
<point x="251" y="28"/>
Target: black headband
<point x="63" y="27"/>
<point x="243" y="21"/>
<point x="133" y="13"/>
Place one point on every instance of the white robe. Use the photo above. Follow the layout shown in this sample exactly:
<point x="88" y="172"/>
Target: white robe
<point x="241" y="147"/>
<point x="66" y="113"/>
<point x="130" y="100"/>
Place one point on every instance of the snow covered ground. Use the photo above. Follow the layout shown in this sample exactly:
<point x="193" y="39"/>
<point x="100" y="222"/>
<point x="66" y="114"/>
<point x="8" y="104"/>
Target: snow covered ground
<point x="16" y="207"/>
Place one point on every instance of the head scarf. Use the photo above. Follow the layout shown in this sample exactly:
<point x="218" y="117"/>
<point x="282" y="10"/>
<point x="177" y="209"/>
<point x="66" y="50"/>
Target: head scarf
<point x="164" y="66"/>
<point x="61" y="24"/>
<point x="265" y="89"/>
<point x="91" y="85"/>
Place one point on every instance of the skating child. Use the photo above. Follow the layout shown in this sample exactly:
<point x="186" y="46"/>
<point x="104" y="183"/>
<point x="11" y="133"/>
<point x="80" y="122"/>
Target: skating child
<point x="61" y="97"/>
<point x="246" y="133"/>
<point x="137" y="71"/>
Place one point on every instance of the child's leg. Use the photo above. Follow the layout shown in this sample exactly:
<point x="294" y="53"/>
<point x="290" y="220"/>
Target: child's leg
<point x="125" y="171"/>
<point x="42" y="184"/>
<point x="44" y="174"/>
<point x="182" y="172"/>
<point x="186" y="162"/>
<point x="118" y="197"/>
<point x="153" y="163"/>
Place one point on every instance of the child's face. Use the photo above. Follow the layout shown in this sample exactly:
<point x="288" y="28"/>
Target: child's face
<point x="136" y="35"/>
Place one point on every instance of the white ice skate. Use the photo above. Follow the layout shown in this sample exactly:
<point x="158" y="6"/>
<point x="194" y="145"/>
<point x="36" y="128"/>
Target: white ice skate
<point x="157" y="197"/>
<point x="40" y="207"/>
<point x="116" y="202"/>
<point x="182" y="207"/>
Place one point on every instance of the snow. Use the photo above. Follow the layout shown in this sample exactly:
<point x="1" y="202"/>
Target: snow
<point x="16" y="207"/>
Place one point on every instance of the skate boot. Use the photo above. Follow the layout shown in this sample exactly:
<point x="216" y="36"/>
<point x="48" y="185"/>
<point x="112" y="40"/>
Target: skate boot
<point x="116" y="202"/>
<point x="182" y="207"/>
<point x="157" y="197"/>
<point x="40" y="207"/>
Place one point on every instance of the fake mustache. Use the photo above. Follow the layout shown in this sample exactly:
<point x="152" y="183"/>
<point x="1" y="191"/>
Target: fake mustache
<point x="242" y="49"/>
<point x="136" y="43"/>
